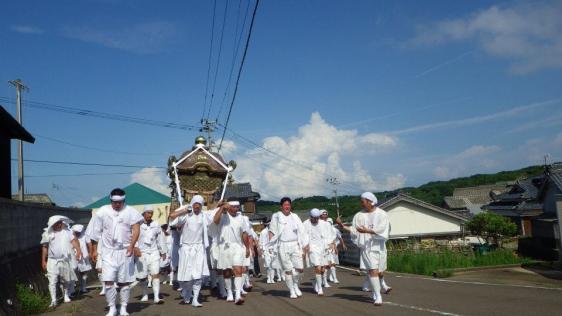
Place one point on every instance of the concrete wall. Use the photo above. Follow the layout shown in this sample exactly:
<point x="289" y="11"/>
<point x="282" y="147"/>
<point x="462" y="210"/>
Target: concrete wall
<point x="21" y="226"/>
<point x="407" y="219"/>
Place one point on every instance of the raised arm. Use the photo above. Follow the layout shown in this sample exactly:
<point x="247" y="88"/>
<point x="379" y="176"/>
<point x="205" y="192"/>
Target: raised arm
<point x="179" y="212"/>
<point x="218" y="214"/>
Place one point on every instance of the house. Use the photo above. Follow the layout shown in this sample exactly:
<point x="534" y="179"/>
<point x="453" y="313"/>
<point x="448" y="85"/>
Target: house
<point x="137" y="196"/>
<point x="244" y="194"/>
<point x="9" y="129"/>
<point x="469" y="200"/>
<point x="535" y="205"/>
<point x="520" y="202"/>
<point x="413" y="218"/>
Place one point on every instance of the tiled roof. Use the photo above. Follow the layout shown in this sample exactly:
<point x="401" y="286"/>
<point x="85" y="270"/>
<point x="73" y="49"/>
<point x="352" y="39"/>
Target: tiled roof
<point x="408" y="198"/>
<point x="556" y="177"/>
<point x="454" y="202"/>
<point x="241" y="191"/>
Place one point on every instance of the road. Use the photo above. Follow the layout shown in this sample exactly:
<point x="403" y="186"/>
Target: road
<point x="411" y="295"/>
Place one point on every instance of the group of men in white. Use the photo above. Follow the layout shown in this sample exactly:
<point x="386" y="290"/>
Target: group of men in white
<point x="200" y="246"/>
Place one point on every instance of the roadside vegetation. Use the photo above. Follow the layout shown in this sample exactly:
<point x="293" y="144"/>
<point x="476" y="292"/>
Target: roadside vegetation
<point x="440" y="263"/>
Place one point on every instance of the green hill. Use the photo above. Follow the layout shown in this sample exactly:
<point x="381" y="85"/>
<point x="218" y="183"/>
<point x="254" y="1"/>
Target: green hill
<point x="431" y="192"/>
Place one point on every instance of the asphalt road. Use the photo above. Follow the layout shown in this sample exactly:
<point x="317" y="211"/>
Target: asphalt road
<point x="411" y="295"/>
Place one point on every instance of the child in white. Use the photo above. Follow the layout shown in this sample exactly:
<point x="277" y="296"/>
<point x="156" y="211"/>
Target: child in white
<point x="152" y="246"/>
<point x="320" y="241"/>
<point x="57" y="242"/>
<point x="83" y="266"/>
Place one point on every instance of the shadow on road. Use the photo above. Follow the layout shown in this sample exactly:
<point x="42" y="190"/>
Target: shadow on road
<point x="353" y="297"/>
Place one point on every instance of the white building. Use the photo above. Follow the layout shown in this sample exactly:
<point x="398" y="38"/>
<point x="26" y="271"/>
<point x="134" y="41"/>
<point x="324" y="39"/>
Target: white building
<point x="410" y="217"/>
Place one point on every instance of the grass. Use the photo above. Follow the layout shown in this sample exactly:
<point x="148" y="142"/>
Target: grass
<point x="30" y="302"/>
<point x="440" y="263"/>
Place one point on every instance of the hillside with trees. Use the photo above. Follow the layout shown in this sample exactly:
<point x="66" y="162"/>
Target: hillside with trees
<point x="431" y="192"/>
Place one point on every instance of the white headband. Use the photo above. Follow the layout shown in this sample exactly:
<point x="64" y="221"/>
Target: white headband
<point x="117" y="198"/>
<point x="148" y="208"/>
<point x="234" y="203"/>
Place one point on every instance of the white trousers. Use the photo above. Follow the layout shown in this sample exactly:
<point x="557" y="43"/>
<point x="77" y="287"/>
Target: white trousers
<point x="192" y="262"/>
<point x="117" y="266"/>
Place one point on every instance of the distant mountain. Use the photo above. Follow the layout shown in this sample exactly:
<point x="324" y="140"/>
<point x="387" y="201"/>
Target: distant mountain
<point x="431" y="192"/>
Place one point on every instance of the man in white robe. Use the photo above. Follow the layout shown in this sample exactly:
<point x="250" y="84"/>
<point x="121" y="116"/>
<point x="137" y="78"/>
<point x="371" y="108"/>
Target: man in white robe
<point x="233" y="248"/>
<point x="320" y="242"/>
<point x="287" y="232"/>
<point x="192" y="267"/>
<point x="57" y="244"/>
<point x="152" y="246"/>
<point x="370" y="230"/>
<point x="117" y="227"/>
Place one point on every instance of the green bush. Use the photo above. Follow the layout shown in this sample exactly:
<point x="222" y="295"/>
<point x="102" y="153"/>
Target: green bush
<point x="30" y="302"/>
<point x="430" y="263"/>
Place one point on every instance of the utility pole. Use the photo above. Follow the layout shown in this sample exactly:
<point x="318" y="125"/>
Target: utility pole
<point x="208" y="127"/>
<point x="334" y="181"/>
<point x="19" y="87"/>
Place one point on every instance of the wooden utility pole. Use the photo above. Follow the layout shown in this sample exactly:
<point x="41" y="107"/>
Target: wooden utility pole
<point x="19" y="87"/>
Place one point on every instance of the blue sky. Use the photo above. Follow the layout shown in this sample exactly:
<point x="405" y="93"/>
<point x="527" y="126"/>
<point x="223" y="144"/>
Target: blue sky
<point x="381" y="94"/>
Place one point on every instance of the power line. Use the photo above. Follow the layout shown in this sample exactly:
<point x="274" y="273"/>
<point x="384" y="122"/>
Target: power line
<point x="91" y="174"/>
<point x="240" y="71"/>
<point x="210" y="57"/>
<point x="237" y="41"/>
<point x="218" y="59"/>
<point x="88" y="164"/>
<point x="103" y="115"/>
<point x="94" y="148"/>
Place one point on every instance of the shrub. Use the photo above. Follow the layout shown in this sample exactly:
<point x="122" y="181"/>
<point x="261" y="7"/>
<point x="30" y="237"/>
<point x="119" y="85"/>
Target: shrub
<point x="30" y="302"/>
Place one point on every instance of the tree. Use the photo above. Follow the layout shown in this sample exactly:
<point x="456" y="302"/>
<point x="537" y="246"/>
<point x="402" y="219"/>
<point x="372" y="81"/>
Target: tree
<point x="492" y="226"/>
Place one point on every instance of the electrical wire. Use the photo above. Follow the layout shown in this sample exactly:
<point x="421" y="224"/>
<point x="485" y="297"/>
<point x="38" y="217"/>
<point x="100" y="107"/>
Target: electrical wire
<point x="102" y="115"/>
<point x="240" y="71"/>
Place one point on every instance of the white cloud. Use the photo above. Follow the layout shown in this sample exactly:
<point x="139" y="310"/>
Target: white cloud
<point x="477" y="158"/>
<point x="26" y="29"/>
<point x="142" y="38"/>
<point x="319" y="150"/>
<point x="478" y="119"/>
<point x="529" y="35"/>
<point x="228" y="147"/>
<point x="153" y="178"/>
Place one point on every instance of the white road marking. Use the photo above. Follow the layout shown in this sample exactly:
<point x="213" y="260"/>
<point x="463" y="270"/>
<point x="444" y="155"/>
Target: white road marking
<point x="480" y="283"/>
<point x="422" y="309"/>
